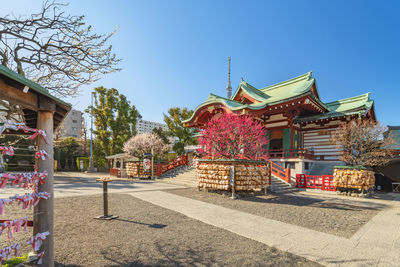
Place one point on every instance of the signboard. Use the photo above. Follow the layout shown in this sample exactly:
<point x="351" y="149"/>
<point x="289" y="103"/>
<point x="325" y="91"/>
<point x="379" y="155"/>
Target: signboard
<point x="81" y="165"/>
<point x="146" y="164"/>
<point x="232" y="174"/>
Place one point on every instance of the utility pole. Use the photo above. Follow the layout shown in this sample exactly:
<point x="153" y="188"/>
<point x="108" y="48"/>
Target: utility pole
<point x="91" y="165"/>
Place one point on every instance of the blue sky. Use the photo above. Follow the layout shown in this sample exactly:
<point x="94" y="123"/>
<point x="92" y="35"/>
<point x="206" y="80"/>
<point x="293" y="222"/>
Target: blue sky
<point x="175" y="52"/>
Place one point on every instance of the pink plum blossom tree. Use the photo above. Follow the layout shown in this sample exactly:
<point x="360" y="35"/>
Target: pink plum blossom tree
<point x="143" y="143"/>
<point x="231" y="136"/>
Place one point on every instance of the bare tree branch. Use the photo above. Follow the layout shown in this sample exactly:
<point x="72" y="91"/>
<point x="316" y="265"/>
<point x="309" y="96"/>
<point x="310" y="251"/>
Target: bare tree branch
<point x="56" y="50"/>
<point x="363" y="142"/>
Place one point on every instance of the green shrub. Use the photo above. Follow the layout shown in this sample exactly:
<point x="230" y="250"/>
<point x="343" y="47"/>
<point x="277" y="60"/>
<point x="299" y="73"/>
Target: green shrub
<point x="100" y="162"/>
<point x="15" y="261"/>
<point x="86" y="161"/>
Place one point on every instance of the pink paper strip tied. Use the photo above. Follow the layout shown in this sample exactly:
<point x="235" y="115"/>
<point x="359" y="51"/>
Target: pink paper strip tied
<point x="37" y="240"/>
<point x="7" y="150"/>
<point x="35" y="132"/>
<point x="28" y="200"/>
<point x="14" y="226"/>
<point x="6" y="252"/>
<point x="41" y="154"/>
<point x="23" y="180"/>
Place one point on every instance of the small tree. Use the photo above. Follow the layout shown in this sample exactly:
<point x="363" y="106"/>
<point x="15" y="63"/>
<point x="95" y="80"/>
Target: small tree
<point x="362" y="143"/>
<point x="232" y="136"/>
<point x="68" y="148"/>
<point x="143" y="143"/>
<point x="162" y="134"/>
<point x="185" y="136"/>
<point x="115" y="120"/>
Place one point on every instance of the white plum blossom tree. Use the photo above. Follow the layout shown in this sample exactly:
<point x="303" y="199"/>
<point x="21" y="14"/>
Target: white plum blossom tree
<point x="143" y="143"/>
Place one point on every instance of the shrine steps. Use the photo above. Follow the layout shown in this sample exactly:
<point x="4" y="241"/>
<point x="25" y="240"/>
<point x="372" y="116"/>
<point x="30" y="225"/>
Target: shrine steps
<point x="280" y="187"/>
<point x="185" y="176"/>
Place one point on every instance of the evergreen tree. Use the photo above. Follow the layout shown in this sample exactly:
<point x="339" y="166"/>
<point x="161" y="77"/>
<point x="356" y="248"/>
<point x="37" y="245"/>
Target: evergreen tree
<point x="114" y="120"/>
<point x="162" y="134"/>
<point x="184" y="135"/>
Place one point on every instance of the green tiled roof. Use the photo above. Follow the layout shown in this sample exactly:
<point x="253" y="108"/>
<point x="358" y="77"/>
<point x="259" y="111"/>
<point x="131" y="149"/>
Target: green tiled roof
<point x="279" y="92"/>
<point x="32" y="85"/>
<point x="270" y="95"/>
<point x="288" y="90"/>
<point x="345" y="107"/>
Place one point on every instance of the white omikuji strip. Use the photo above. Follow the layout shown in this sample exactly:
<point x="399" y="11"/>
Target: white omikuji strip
<point x="14" y="226"/>
<point x="365" y="249"/>
<point x="6" y="253"/>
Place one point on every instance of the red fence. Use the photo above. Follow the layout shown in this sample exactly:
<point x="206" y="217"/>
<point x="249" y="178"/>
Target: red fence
<point x="323" y="182"/>
<point x="115" y="172"/>
<point x="280" y="172"/>
<point x="178" y="161"/>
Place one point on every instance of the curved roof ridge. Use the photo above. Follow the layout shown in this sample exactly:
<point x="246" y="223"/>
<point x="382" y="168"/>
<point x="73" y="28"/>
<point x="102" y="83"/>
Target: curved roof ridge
<point x="305" y="76"/>
<point x="364" y="97"/>
<point x="213" y="96"/>
<point x="254" y="92"/>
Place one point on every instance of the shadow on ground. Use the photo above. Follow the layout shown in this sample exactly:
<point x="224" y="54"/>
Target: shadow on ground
<point x="301" y="201"/>
<point x="153" y="225"/>
<point x="168" y="255"/>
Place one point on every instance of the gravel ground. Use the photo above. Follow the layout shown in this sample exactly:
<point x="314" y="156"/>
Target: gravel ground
<point x="325" y="214"/>
<point x="148" y="235"/>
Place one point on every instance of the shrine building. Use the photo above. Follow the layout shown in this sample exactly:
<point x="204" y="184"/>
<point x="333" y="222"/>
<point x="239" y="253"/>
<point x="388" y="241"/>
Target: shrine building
<point x="299" y="123"/>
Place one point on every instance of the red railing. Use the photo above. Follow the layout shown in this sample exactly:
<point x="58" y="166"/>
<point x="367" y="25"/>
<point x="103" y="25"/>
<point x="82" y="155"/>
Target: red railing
<point x="115" y="172"/>
<point x="280" y="172"/>
<point x="290" y="153"/>
<point x="176" y="162"/>
<point x="323" y="182"/>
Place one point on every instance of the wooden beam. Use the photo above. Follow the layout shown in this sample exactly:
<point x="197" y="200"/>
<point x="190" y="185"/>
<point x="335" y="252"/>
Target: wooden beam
<point x="16" y="96"/>
<point x="46" y="104"/>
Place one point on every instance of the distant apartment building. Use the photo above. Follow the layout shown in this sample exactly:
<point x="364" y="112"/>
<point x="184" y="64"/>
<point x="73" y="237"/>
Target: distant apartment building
<point x="144" y="126"/>
<point x="72" y="124"/>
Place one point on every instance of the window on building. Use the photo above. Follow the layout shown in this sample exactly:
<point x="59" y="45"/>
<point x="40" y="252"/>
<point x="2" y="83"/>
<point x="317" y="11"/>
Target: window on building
<point x="73" y="128"/>
<point x="74" y="121"/>
<point x="289" y="165"/>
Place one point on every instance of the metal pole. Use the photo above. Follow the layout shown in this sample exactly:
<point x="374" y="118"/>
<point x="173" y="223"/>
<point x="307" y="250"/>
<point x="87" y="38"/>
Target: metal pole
<point x="91" y="128"/>
<point x="91" y="165"/>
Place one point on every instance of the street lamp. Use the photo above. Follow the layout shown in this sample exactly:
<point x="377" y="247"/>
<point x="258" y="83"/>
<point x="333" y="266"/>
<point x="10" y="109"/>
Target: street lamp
<point x="91" y="165"/>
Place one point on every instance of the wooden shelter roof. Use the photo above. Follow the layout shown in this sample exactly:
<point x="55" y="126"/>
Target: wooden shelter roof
<point x="31" y="97"/>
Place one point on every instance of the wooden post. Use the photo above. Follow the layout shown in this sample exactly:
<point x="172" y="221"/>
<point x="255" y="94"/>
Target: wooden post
<point x="122" y="167"/>
<point x="152" y="163"/>
<point x="105" y="198"/>
<point x="44" y="211"/>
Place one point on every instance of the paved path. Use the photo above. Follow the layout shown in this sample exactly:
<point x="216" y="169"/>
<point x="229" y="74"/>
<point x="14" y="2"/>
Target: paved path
<point x="74" y="185"/>
<point x="375" y="244"/>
